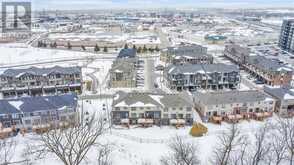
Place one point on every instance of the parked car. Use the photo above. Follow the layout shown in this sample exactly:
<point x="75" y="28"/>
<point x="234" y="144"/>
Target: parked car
<point x="159" y="68"/>
<point x="258" y="82"/>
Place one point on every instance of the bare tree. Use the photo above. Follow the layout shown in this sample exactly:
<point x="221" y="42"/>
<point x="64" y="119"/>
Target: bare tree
<point x="181" y="153"/>
<point x="7" y="148"/>
<point x="286" y="129"/>
<point x="258" y="153"/>
<point x="104" y="153"/>
<point x="228" y="143"/>
<point x="71" y="145"/>
<point x="278" y="149"/>
<point x="146" y="162"/>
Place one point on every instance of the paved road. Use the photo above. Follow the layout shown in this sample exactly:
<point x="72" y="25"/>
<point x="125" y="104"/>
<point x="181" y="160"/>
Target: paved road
<point x="149" y="74"/>
<point x="60" y="60"/>
<point x="97" y="96"/>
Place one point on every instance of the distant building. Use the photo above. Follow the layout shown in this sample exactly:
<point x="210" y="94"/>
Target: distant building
<point x="39" y="111"/>
<point x="286" y="41"/>
<point x="207" y="76"/>
<point x="152" y="108"/>
<point x="271" y="72"/>
<point x="285" y="100"/>
<point x="37" y="81"/>
<point x="230" y="104"/>
<point x="237" y="53"/>
<point x="215" y="39"/>
<point x="188" y="54"/>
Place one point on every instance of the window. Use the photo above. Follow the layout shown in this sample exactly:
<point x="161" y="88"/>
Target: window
<point x="117" y="108"/>
<point x="133" y="115"/>
<point x="181" y="108"/>
<point x="174" y="109"/>
<point x="63" y="118"/>
<point x="5" y="117"/>
<point x="181" y="116"/>
<point x="165" y="116"/>
<point x="133" y="108"/>
<point x="188" y="116"/>
<point x="14" y="116"/>
<point x="174" y="116"/>
<point x="189" y="109"/>
<point x="27" y="121"/>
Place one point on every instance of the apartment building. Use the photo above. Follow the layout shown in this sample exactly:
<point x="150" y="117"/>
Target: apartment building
<point x="38" y="111"/>
<point x="286" y="41"/>
<point x="238" y="105"/>
<point x="152" y="108"/>
<point x="188" y="54"/>
<point x="271" y="72"/>
<point x="209" y="76"/>
<point x="37" y="81"/>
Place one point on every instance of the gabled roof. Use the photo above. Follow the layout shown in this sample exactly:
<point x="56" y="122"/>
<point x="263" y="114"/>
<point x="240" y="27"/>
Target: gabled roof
<point x="163" y="100"/>
<point x="38" y="103"/>
<point x="41" y="71"/>
<point x="127" y="53"/>
<point x="123" y="66"/>
<point x="199" y="68"/>
<point x="281" y="93"/>
<point x="229" y="97"/>
<point x="268" y="64"/>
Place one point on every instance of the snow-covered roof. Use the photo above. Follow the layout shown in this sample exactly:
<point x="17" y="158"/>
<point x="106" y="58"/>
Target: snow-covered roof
<point x="41" y="71"/>
<point x="37" y="104"/>
<point x="163" y="100"/>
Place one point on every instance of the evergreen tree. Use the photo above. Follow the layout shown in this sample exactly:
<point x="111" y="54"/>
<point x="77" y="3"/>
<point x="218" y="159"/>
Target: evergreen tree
<point x="105" y="49"/>
<point x="151" y="50"/>
<point x="83" y="47"/>
<point x="96" y="49"/>
<point x="157" y="48"/>
<point x="139" y="50"/>
<point x="69" y="45"/>
<point x="145" y="49"/>
<point x="126" y="46"/>
<point x="55" y="44"/>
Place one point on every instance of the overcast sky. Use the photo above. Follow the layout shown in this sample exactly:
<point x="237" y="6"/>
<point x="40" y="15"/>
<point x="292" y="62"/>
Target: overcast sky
<point x="103" y="4"/>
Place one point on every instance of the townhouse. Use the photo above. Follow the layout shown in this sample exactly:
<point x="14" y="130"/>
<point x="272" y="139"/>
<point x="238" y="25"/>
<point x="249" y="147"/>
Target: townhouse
<point x="271" y="72"/>
<point x="209" y="76"/>
<point x="152" y="108"/>
<point x="123" y="74"/>
<point x="284" y="99"/>
<point x="37" y="81"/>
<point x="40" y="111"/>
<point x="228" y="105"/>
<point x="189" y="54"/>
<point x="123" y="71"/>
